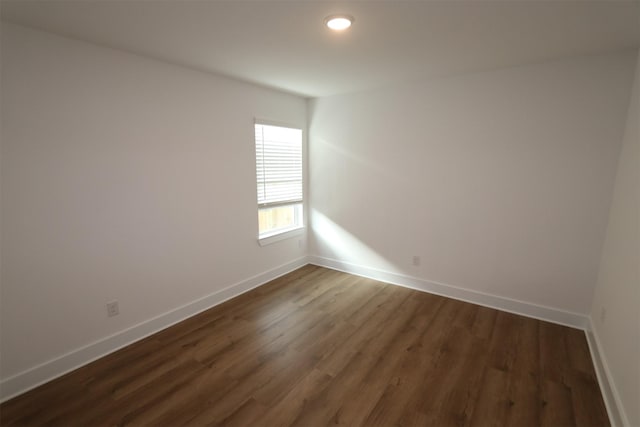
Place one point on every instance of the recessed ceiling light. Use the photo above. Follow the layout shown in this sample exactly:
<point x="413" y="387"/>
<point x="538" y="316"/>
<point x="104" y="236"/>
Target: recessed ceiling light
<point x="338" y="22"/>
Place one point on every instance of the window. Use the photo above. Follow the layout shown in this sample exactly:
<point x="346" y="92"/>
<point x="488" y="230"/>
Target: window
<point x="279" y="179"/>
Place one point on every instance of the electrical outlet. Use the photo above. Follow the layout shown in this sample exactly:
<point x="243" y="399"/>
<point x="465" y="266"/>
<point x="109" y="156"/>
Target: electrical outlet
<point x="300" y="245"/>
<point x="603" y="314"/>
<point x="112" y="309"/>
<point x="416" y="260"/>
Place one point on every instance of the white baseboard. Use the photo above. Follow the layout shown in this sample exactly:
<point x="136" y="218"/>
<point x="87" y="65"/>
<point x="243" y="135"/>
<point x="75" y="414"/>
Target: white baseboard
<point x="45" y="372"/>
<point x="617" y="415"/>
<point x="548" y="314"/>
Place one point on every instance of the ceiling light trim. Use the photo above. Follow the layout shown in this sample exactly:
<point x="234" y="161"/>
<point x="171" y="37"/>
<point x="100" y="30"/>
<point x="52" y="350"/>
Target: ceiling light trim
<point x="339" y="22"/>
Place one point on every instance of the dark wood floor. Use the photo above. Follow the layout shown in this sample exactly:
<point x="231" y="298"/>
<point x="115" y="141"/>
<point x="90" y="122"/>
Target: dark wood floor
<point x="319" y="347"/>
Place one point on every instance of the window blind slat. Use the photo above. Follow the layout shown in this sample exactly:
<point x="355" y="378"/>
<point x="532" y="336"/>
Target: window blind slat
<point x="278" y="164"/>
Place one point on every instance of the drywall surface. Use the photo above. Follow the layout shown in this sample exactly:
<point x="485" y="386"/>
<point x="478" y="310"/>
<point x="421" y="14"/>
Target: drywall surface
<point x="499" y="182"/>
<point x="123" y="178"/>
<point x="616" y="303"/>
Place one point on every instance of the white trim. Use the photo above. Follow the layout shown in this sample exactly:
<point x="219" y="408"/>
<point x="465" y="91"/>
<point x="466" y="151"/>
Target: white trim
<point x="615" y="408"/>
<point x="278" y="123"/>
<point x="45" y="372"/>
<point x="549" y="314"/>
<point x="282" y="235"/>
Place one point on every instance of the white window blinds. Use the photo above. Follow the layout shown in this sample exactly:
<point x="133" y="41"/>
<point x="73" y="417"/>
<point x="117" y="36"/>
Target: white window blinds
<point x="278" y="165"/>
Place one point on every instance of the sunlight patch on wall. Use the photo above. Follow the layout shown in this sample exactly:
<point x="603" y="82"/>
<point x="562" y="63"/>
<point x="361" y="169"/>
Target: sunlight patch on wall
<point x="343" y="245"/>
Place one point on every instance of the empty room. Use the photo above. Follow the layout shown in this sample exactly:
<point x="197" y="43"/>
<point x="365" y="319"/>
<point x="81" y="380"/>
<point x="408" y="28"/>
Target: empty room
<point x="359" y="213"/>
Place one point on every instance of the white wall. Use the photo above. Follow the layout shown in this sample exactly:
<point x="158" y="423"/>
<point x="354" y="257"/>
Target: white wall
<point x="499" y="181"/>
<point x="618" y="286"/>
<point x="122" y="178"/>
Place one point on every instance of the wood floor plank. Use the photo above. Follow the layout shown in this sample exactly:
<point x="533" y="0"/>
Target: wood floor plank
<point x="319" y="347"/>
<point x="334" y="362"/>
<point x="492" y="406"/>
<point x="554" y="354"/>
<point x="441" y="351"/>
<point x="291" y="406"/>
<point x="445" y="378"/>
<point x="557" y="407"/>
<point x="588" y="408"/>
<point x="525" y="400"/>
<point x="406" y="381"/>
<point x="356" y="409"/>
<point x="484" y="322"/>
<point x="250" y="413"/>
<point x="458" y="402"/>
<point x="351" y="380"/>
<point x="45" y="401"/>
<point x="209" y="387"/>
<point x="379" y="297"/>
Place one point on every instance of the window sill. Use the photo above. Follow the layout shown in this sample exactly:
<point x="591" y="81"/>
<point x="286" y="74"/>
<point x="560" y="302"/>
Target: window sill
<point x="263" y="241"/>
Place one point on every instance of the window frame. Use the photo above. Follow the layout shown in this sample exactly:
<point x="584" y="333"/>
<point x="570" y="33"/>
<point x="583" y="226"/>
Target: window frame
<point x="297" y="230"/>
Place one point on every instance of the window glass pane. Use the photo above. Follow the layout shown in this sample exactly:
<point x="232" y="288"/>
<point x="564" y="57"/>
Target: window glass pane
<point x="279" y="219"/>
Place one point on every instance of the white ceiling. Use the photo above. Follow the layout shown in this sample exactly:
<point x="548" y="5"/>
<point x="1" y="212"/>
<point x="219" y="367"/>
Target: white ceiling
<point x="283" y="44"/>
